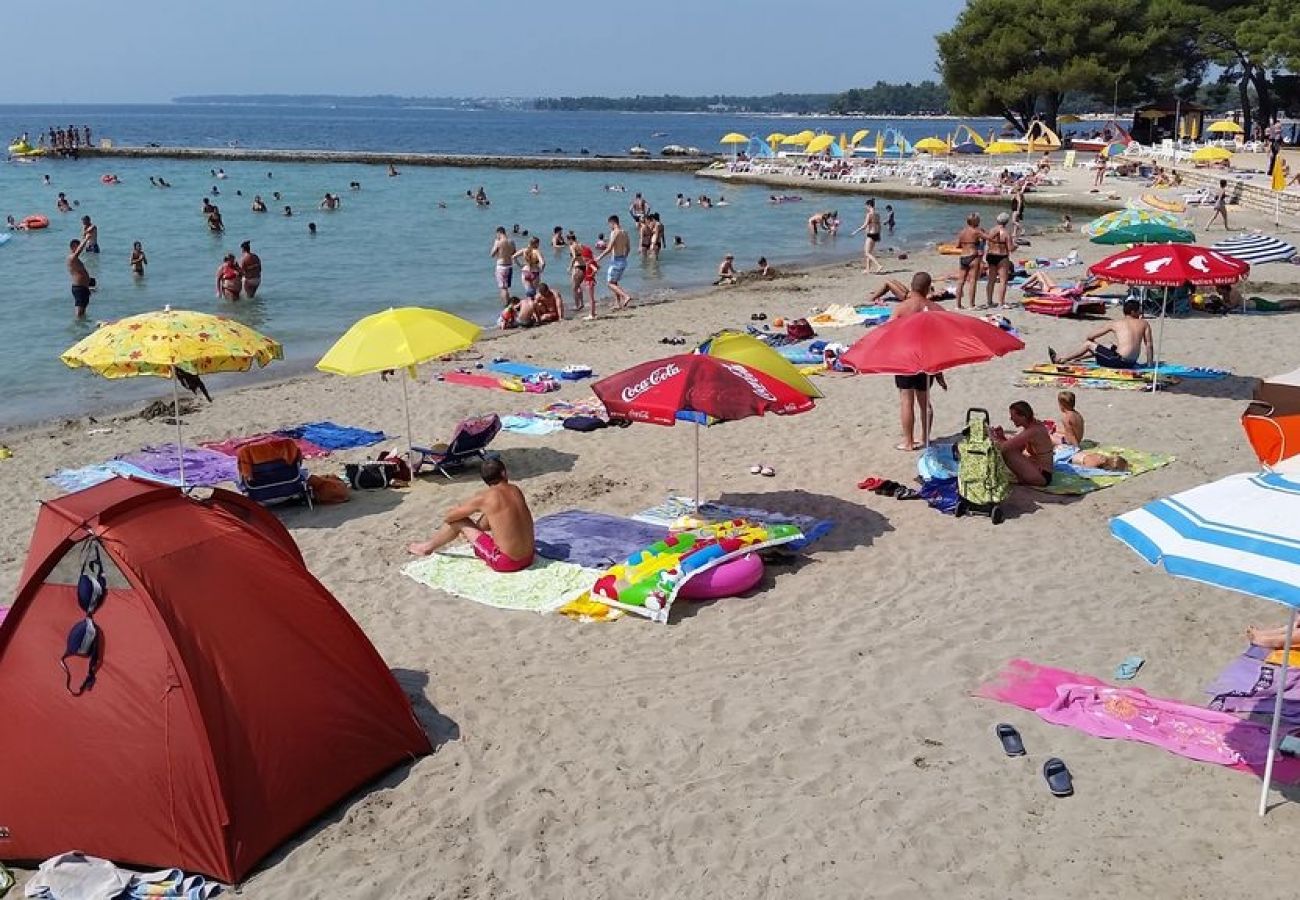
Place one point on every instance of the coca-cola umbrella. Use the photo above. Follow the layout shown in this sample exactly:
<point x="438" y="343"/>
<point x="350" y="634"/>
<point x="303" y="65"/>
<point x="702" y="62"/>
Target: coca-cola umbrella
<point x="1169" y="266"/>
<point x="696" y="388"/>
<point x="930" y="341"/>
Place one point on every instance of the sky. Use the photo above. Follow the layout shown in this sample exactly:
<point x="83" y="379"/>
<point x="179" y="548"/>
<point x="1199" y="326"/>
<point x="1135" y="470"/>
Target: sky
<point x="142" y="51"/>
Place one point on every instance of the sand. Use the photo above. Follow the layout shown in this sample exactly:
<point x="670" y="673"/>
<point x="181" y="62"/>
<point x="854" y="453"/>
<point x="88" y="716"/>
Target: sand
<point x="817" y="739"/>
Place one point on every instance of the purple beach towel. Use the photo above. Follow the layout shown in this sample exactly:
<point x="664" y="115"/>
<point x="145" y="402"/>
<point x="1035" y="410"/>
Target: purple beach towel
<point x="591" y="539"/>
<point x="203" y="468"/>
<point x="1248" y="685"/>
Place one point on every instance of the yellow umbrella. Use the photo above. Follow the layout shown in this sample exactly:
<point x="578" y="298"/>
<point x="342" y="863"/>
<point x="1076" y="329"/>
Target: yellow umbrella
<point x="796" y="140"/>
<point x="931" y="145"/>
<point x="750" y="351"/>
<point x="1225" y="127"/>
<point x="776" y="137"/>
<point x="858" y="136"/>
<point x="398" y="339"/>
<point x="734" y="137"/>
<point x="819" y="143"/>
<point x="844" y="144"/>
<point x="1000" y="147"/>
<point x="1211" y="154"/>
<point x="168" y="342"/>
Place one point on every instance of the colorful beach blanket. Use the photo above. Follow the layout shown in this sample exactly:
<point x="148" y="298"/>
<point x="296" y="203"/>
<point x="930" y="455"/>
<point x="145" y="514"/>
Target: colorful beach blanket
<point x="203" y="468"/>
<point x="1100" y="373"/>
<point x="331" y="437"/>
<point x="1070" y="381"/>
<point x="72" y="480"/>
<point x="1070" y="481"/>
<point x="1248" y="685"/>
<point x="1089" y="705"/>
<point x="592" y="539"/>
<point x="674" y="508"/>
<point x="543" y="587"/>
<point x="231" y="446"/>
<point x="563" y="409"/>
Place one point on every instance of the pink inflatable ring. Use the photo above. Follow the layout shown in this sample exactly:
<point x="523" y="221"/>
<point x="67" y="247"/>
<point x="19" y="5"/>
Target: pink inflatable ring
<point x="727" y="580"/>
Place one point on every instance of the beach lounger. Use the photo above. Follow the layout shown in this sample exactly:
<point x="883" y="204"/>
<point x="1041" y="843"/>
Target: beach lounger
<point x="468" y="443"/>
<point x="272" y="471"/>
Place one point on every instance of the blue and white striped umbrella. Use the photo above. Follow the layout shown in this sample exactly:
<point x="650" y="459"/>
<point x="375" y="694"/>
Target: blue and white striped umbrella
<point x="1241" y="533"/>
<point x="1255" y="248"/>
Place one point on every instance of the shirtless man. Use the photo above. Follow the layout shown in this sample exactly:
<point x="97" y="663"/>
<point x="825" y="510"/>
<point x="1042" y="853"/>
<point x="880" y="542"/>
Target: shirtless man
<point x="1029" y="452"/>
<point x="997" y="256"/>
<point x="619" y="246"/>
<point x="63" y="205"/>
<point x="639" y="208"/>
<point x="727" y="270"/>
<point x="501" y="535"/>
<point x="251" y="265"/>
<point x="546" y="307"/>
<point x="871" y="225"/>
<point x="657" y="238"/>
<point x="89" y="235"/>
<point x="259" y="206"/>
<point x="1132" y="335"/>
<point x="503" y="251"/>
<point x="81" y="280"/>
<point x="646" y="232"/>
<point x="970" y="241"/>
<point x="914" y="390"/>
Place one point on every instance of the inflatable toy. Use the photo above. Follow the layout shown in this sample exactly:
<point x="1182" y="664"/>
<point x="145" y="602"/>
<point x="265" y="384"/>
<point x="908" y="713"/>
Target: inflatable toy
<point x="730" y="579"/>
<point x="35" y="223"/>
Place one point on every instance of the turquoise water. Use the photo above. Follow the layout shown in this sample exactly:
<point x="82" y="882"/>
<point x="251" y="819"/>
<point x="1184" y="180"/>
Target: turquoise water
<point x="390" y="244"/>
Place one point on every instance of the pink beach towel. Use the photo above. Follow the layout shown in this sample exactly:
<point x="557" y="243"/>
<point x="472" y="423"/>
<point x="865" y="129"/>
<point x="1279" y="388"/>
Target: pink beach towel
<point x="230" y="446"/>
<point x="1093" y="707"/>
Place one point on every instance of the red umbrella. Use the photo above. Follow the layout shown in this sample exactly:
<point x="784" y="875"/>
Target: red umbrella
<point x="697" y="388"/>
<point x="1170" y="265"/>
<point x="1167" y="266"/>
<point x="932" y="341"/>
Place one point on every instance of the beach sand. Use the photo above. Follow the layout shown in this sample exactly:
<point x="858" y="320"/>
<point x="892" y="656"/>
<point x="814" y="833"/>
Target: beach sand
<point x="819" y="738"/>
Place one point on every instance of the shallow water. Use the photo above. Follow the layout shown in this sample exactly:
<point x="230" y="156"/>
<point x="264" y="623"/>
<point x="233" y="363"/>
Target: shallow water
<point x="390" y="244"/>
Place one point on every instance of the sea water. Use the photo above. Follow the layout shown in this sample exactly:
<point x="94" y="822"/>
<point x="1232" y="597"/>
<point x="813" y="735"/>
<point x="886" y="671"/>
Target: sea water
<point x="415" y="239"/>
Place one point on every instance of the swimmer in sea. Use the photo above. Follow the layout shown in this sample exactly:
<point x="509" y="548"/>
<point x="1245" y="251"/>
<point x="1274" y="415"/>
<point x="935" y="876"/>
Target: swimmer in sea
<point x="392" y="171"/>
<point x="619" y="247"/>
<point x="354" y="186"/>
<point x="138" y="260"/>
<point x="503" y="251"/>
<point x="259" y="206"/>
<point x="288" y="210"/>
<point x="229" y="278"/>
<point x="557" y="237"/>
<point x="62" y="205"/>
<point x="311" y="229"/>
<point x="89" y="235"/>
<point x="251" y="265"/>
<point x="81" y="280"/>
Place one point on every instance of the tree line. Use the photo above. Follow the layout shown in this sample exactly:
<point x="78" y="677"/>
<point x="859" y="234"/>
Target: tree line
<point x="1019" y="59"/>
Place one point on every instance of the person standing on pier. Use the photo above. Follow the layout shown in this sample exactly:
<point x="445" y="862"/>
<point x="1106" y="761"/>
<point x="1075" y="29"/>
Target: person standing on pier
<point x="503" y="251"/>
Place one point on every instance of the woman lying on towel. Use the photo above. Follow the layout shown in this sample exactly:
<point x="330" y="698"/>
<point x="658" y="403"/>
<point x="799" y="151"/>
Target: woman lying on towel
<point x="1268" y="638"/>
<point x="1041" y="284"/>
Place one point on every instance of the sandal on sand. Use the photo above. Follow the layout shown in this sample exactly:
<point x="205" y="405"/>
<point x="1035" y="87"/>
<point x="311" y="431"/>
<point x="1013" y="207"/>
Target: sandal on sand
<point x="1012" y="744"/>
<point x="907" y="493"/>
<point x="755" y="470"/>
<point x="767" y="472"/>
<point x="870" y="484"/>
<point x="1059" y="780"/>
<point x="886" y="488"/>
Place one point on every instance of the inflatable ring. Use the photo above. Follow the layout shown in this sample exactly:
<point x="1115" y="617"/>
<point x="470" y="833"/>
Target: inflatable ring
<point x="949" y="249"/>
<point x="727" y="580"/>
<point x="108" y="179"/>
<point x="35" y="223"/>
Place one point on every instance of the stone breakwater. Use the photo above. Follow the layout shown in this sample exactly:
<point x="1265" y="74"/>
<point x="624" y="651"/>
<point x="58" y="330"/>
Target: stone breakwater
<point x="232" y="154"/>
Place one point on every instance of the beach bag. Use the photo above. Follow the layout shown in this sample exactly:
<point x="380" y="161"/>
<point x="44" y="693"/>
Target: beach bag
<point x="376" y="473"/>
<point x="983" y="478"/>
<point x="584" y="423"/>
<point x="799" y="330"/>
<point x="327" y="489"/>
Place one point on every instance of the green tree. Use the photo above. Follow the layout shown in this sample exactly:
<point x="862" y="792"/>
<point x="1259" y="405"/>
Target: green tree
<point x="1018" y="58"/>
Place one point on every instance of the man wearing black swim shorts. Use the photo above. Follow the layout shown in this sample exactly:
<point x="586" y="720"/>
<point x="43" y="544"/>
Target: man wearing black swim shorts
<point x="81" y="280"/>
<point x="914" y="390"/>
<point x="1132" y="338"/>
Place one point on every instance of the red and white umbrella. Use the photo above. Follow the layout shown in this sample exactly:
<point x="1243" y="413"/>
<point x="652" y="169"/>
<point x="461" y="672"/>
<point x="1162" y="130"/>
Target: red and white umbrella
<point x="1168" y="266"/>
<point x="932" y="341"/>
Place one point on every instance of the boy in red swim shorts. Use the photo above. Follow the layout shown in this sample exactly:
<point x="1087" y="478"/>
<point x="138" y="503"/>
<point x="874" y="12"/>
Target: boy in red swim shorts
<point x="496" y="522"/>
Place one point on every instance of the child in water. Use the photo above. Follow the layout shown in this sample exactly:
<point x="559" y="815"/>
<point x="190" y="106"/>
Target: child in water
<point x="138" y="259"/>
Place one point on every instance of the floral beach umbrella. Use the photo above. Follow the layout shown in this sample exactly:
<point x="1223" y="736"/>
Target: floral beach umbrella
<point x="171" y="342"/>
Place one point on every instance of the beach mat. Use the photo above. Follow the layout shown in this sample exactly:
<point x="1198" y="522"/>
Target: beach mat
<point x="801" y="355"/>
<point x="563" y="409"/>
<point x="1070" y="381"/>
<point x="592" y="539"/>
<point x="672" y="509"/>
<point x="1087" y="704"/>
<point x="232" y="446"/>
<point x="1248" y="685"/>
<point x="1098" y="373"/>
<point x="533" y="426"/>
<point x="1071" y="481"/>
<point x="543" y="587"/>
<point x="331" y="437"/>
<point x="203" y="468"/>
<point x="525" y="370"/>
<point x="72" y="480"/>
<point x="475" y="379"/>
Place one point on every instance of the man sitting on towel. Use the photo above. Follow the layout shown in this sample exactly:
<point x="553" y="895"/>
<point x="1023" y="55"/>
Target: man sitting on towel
<point x="502" y="535"/>
<point x="1132" y="334"/>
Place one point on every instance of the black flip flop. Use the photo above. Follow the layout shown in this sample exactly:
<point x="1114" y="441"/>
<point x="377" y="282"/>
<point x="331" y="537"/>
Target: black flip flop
<point x="1012" y="744"/>
<point x="1058" y="778"/>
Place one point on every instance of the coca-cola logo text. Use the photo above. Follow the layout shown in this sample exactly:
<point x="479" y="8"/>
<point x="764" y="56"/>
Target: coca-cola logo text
<point x="754" y="384"/>
<point x="658" y="376"/>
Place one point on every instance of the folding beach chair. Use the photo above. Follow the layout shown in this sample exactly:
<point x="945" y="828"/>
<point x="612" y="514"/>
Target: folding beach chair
<point x="272" y="471"/>
<point x="468" y="443"/>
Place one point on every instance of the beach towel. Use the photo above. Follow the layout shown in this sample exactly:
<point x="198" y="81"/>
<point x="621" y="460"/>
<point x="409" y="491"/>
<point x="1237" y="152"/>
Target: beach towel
<point x="801" y="354"/>
<point x="838" y="315"/>
<point x="531" y="425"/>
<point x="203" y="468"/>
<point x="1067" y="480"/>
<point x="591" y="539"/>
<point x="543" y="587"/>
<point x="674" y="508"/>
<point x="331" y="437"/>
<point x="1071" y="381"/>
<point x="1248" y="685"/>
<point x="231" y="446"/>
<point x="479" y="380"/>
<point x="72" y="480"/>
<point x="563" y="409"/>
<point x="525" y="370"/>
<point x="76" y="876"/>
<point x="1080" y="370"/>
<point x="874" y="315"/>
<point x="1086" y="704"/>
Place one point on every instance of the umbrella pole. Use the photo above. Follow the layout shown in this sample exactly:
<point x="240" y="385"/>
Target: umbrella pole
<point x="406" y="405"/>
<point x="176" y="412"/>
<point x="697" y="466"/>
<point x="1277" y="714"/>
<point x="1160" y="342"/>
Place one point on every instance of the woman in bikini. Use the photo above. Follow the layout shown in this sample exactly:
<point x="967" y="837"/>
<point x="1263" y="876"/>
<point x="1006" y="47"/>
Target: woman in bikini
<point x="970" y="241"/>
<point x="230" y="280"/>
<point x="997" y="256"/>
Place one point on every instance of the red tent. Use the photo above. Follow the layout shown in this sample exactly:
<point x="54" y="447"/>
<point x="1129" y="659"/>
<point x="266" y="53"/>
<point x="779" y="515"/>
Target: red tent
<point x="235" y="700"/>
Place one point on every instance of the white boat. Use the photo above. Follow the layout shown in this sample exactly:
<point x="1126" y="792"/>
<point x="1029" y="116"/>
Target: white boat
<point x="679" y="150"/>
